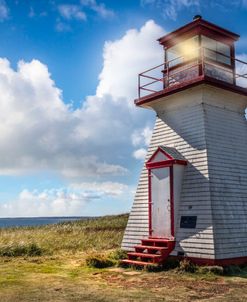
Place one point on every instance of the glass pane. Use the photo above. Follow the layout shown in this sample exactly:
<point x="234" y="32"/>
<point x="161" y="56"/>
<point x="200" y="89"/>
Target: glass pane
<point x="223" y="59"/>
<point x="223" y="48"/>
<point x="183" y="51"/>
<point x="225" y="51"/>
<point x="174" y="56"/>
<point x="208" y="43"/>
<point x="212" y="47"/>
<point x="209" y="47"/>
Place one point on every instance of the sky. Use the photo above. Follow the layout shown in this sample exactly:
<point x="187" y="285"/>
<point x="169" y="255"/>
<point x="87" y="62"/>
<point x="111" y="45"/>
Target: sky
<point x="72" y="143"/>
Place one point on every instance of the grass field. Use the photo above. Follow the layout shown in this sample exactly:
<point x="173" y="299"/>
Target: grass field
<point x="51" y="266"/>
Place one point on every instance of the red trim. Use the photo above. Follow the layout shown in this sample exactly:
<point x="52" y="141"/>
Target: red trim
<point x="172" y="201"/>
<point x="196" y="27"/>
<point x="186" y="85"/>
<point x="149" y="204"/>
<point x="156" y="165"/>
<point x="160" y="164"/>
<point x="180" y="162"/>
<point x="220" y="262"/>
<point x="165" y="163"/>
<point x="157" y="151"/>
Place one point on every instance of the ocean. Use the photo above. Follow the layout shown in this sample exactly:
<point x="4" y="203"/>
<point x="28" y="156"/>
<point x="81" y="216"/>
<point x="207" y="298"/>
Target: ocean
<point x="34" y="221"/>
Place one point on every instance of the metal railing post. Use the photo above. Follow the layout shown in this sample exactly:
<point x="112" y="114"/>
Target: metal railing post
<point x="167" y="74"/>
<point x="139" y="88"/>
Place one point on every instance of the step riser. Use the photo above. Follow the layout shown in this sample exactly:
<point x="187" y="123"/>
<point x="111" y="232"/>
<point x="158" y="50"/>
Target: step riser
<point x="157" y="243"/>
<point x="164" y="244"/>
<point x="144" y="259"/>
<point x="155" y="252"/>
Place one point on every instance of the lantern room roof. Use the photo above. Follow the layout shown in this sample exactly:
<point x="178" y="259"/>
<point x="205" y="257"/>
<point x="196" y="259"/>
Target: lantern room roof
<point x="198" y="26"/>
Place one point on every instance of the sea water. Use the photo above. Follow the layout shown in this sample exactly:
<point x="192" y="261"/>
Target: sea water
<point x="34" y="221"/>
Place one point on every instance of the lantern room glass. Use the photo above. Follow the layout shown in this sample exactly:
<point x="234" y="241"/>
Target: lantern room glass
<point x="183" y="51"/>
<point x="216" y="51"/>
<point x="188" y="50"/>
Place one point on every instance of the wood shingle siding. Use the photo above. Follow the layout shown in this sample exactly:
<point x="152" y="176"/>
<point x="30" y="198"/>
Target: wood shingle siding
<point x="207" y="127"/>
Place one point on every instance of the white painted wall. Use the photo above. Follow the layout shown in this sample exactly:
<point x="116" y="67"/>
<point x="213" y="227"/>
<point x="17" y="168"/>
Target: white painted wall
<point x="207" y="126"/>
<point x="178" y="171"/>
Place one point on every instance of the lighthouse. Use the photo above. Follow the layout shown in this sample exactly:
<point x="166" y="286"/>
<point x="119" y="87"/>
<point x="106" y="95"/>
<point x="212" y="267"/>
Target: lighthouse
<point x="191" y="199"/>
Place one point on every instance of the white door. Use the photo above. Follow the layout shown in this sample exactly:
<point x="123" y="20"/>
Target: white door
<point x="160" y="194"/>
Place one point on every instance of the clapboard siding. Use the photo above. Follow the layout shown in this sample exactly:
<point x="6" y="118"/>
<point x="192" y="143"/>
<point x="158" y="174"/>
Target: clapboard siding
<point x="207" y="126"/>
<point x="184" y="130"/>
<point x="226" y="138"/>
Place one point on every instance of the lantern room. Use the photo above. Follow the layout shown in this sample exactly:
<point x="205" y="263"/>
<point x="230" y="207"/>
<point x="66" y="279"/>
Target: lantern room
<point x="197" y="52"/>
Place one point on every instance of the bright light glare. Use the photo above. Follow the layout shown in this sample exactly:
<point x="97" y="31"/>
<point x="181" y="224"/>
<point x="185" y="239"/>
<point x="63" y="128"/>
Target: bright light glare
<point x="188" y="49"/>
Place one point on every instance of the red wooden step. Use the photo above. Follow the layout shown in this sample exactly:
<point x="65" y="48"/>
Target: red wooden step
<point x="149" y="247"/>
<point x="144" y="255"/>
<point x="150" y="239"/>
<point x="135" y="262"/>
<point x="156" y="241"/>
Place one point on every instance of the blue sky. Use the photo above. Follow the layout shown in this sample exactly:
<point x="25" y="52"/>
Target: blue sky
<point x="72" y="142"/>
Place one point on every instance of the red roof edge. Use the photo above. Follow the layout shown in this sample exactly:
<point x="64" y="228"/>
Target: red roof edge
<point x="199" y="23"/>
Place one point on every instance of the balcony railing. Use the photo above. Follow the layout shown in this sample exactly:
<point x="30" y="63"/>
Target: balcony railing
<point x="179" y="71"/>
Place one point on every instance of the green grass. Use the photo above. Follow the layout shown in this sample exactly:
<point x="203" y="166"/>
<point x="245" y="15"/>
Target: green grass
<point x="83" y="235"/>
<point x="48" y="263"/>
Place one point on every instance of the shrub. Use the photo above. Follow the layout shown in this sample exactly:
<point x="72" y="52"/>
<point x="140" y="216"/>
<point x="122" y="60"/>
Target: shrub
<point x="232" y="270"/>
<point x="171" y="263"/>
<point x="118" y="254"/>
<point x="187" y="266"/>
<point x="217" y="270"/>
<point x="21" y="250"/>
<point x="99" y="261"/>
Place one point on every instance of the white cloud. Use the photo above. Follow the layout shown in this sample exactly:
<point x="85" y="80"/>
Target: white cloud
<point x="62" y="27"/>
<point x="171" y="8"/>
<point x="4" y="11"/>
<point x="142" y="136"/>
<point x="70" y="12"/>
<point x="99" y="8"/>
<point x="140" y="154"/>
<point x="38" y="132"/>
<point x="241" y="70"/>
<point x="63" y="201"/>
<point x="125" y="58"/>
<point x="55" y="202"/>
<point x="107" y="188"/>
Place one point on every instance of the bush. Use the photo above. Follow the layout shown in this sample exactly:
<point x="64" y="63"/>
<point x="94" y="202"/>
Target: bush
<point x="118" y="255"/>
<point x="31" y="250"/>
<point x="99" y="261"/>
<point x="187" y="266"/>
<point x="171" y="263"/>
<point x="217" y="270"/>
<point x="232" y="270"/>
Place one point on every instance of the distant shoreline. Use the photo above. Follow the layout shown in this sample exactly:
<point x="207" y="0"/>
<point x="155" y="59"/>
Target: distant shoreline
<point x="10" y="222"/>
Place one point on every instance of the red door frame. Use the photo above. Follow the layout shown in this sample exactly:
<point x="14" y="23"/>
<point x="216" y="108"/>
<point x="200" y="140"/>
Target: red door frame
<point x="156" y="165"/>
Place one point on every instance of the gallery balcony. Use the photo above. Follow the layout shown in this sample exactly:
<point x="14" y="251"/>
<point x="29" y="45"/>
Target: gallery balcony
<point x="202" y="66"/>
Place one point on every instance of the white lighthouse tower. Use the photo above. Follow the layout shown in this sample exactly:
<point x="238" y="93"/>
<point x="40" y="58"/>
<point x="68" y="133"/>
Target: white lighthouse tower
<point x="191" y="200"/>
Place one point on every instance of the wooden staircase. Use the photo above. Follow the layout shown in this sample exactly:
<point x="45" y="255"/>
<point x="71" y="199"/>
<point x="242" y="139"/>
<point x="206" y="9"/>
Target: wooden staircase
<point x="151" y="252"/>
